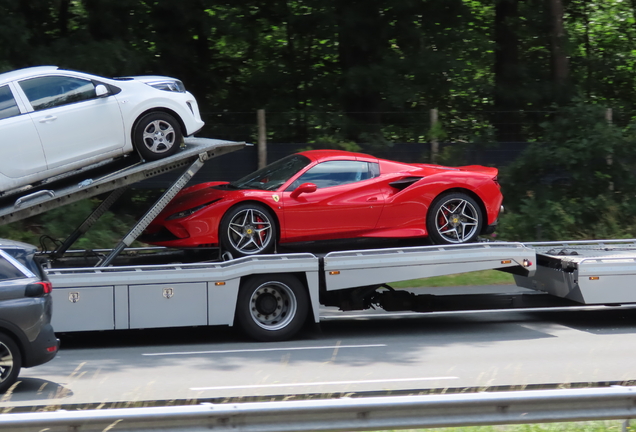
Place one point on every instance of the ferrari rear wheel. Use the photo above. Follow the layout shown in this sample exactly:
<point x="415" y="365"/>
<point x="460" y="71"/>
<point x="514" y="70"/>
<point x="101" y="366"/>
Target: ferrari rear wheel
<point x="248" y="229"/>
<point x="454" y="218"/>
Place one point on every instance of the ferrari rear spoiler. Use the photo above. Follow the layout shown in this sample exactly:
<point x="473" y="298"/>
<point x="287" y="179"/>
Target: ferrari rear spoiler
<point x="480" y="169"/>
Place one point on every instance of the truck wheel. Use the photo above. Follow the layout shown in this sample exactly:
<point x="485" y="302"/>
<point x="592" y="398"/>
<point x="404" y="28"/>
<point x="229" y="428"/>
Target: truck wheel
<point x="454" y="218"/>
<point x="157" y="135"/>
<point x="272" y="307"/>
<point x="247" y="229"/>
<point x="10" y="362"/>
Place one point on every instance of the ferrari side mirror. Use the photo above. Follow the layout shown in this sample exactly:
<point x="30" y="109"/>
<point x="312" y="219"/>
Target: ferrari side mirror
<point x="303" y="188"/>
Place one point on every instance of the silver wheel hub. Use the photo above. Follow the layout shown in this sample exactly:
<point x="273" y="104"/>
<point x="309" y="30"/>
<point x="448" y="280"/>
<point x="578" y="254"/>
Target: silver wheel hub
<point x="457" y="220"/>
<point x="250" y="231"/>
<point x="159" y="136"/>
<point x="6" y="362"/>
<point x="273" y="306"/>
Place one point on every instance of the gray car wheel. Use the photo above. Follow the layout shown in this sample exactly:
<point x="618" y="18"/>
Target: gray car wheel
<point x="10" y="362"/>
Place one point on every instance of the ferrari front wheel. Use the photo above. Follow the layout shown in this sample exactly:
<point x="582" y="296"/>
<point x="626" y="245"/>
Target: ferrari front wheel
<point x="247" y="229"/>
<point x="454" y="218"/>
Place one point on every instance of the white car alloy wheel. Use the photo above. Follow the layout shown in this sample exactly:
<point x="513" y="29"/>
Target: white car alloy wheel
<point x="157" y="135"/>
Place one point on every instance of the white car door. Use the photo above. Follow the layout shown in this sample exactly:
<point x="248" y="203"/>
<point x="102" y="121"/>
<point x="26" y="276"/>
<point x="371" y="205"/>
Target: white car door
<point x="74" y="125"/>
<point x="21" y="152"/>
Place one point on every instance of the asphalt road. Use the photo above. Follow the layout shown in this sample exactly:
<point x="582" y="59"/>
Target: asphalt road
<point x="370" y="351"/>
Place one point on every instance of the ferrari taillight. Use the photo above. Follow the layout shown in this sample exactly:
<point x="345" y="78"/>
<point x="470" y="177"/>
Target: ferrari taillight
<point x="496" y="180"/>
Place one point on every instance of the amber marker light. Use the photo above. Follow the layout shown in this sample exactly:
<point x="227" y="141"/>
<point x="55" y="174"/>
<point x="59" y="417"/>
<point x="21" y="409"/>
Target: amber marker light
<point x="594" y="278"/>
<point x="219" y="283"/>
<point x="335" y="272"/>
<point x="506" y="261"/>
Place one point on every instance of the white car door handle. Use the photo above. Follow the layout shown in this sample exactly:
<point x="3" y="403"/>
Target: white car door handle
<point x="47" y="119"/>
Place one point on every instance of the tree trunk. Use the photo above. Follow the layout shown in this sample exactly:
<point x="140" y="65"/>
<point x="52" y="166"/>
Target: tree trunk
<point x="507" y="99"/>
<point x="360" y="47"/>
<point x="560" y="65"/>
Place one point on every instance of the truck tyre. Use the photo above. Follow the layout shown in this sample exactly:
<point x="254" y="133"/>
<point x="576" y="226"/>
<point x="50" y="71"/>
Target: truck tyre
<point x="157" y="135"/>
<point x="10" y="362"/>
<point x="272" y="307"/>
<point x="454" y="218"/>
<point x="247" y="229"/>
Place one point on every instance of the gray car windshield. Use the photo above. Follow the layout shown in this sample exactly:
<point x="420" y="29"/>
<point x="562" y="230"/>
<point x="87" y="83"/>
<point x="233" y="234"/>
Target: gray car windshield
<point x="273" y="175"/>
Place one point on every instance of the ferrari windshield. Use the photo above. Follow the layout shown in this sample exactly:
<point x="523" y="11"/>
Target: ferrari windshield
<point x="273" y="175"/>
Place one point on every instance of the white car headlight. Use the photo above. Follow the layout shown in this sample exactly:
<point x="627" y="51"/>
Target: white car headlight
<point x="168" y="85"/>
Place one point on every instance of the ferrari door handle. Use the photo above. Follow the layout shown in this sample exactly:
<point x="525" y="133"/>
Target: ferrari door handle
<point x="372" y="199"/>
<point x="47" y="119"/>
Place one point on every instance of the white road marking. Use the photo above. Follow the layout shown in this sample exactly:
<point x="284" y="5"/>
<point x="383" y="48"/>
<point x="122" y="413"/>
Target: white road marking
<point x="325" y="383"/>
<point x="264" y="350"/>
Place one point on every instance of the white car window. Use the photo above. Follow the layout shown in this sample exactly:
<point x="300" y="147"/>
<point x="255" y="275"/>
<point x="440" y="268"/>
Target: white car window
<point x="8" y="105"/>
<point x="52" y="91"/>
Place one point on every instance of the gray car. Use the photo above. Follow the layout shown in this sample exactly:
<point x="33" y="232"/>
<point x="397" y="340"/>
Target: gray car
<point x="26" y="336"/>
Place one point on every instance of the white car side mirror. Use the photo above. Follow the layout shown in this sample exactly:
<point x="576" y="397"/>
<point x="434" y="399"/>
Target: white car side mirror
<point x="101" y="90"/>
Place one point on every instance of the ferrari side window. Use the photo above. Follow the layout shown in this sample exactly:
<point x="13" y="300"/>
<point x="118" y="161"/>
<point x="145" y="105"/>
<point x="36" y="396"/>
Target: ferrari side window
<point x="336" y="173"/>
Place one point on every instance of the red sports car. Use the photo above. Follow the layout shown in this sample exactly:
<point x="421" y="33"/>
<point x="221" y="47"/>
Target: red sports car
<point x="329" y="195"/>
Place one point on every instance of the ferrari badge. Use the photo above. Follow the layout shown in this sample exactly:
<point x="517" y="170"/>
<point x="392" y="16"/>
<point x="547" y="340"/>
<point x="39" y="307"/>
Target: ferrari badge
<point x="276" y="198"/>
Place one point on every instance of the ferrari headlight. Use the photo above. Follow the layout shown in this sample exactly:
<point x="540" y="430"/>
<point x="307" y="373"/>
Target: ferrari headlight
<point x="168" y="85"/>
<point x="188" y="212"/>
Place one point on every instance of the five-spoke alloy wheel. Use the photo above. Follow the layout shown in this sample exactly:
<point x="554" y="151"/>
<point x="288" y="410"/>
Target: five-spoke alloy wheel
<point x="454" y="218"/>
<point x="157" y="135"/>
<point x="247" y="229"/>
<point x="272" y="307"/>
<point x="10" y="362"/>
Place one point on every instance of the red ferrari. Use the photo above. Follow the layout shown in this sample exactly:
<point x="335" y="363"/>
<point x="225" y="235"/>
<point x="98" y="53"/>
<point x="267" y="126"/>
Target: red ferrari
<point x="331" y="195"/>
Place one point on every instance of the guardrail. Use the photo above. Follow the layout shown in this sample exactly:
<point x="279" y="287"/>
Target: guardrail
<point x="347" y="414"/>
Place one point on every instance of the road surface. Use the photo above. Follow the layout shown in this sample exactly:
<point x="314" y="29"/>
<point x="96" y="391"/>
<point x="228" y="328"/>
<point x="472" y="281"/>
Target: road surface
<point x="370" y="351"/>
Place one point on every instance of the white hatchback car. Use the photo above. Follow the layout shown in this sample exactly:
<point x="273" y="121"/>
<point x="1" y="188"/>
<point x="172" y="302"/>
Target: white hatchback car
<point x="54" y="121"/>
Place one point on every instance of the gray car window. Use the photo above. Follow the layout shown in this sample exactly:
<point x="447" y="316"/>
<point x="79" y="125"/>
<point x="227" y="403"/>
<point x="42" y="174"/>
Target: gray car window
<point x="52" y="91"/>
<point x="9" y="271"/>
<point x="8" y="105"/>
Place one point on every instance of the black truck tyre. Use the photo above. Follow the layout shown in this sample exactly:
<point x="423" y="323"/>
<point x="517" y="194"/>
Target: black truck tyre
<point x="272" y="307"/>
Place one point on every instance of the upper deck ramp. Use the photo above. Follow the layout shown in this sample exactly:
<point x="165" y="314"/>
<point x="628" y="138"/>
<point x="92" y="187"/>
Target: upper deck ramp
<point x="105" y="177"/>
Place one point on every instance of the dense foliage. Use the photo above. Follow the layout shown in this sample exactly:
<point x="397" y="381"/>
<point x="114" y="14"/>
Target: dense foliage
<point x="352" y="71"/>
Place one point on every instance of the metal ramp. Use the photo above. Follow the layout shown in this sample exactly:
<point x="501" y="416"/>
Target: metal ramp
<point x="372" y="267"/>
<point x="104" y="178"/>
